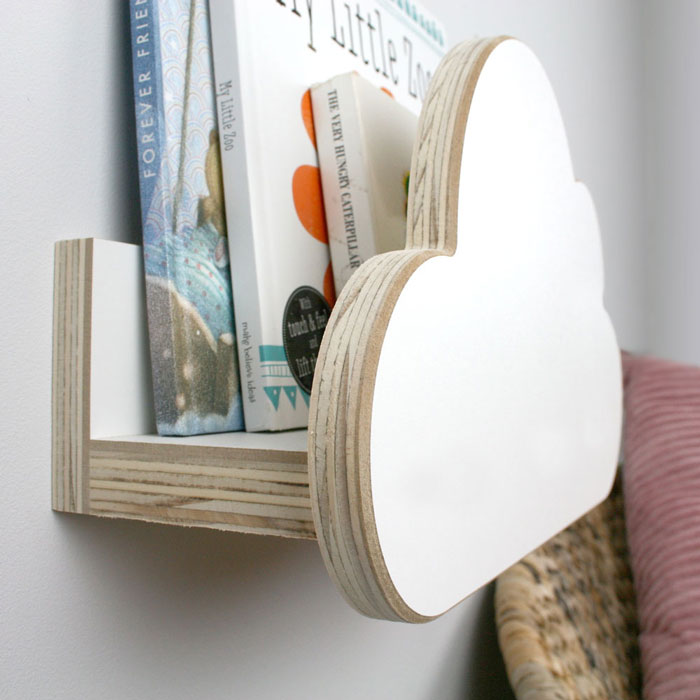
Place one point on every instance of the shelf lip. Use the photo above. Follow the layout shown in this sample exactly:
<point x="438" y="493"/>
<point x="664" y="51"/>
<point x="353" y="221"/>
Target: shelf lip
<point x="254" y="483"/>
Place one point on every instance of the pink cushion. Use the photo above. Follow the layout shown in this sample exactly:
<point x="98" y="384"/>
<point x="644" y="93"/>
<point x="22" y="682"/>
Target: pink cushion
<point x="662" y="510"/>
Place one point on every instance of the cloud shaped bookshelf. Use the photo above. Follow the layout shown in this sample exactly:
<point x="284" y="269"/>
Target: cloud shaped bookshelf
<point x="467" y="400"/>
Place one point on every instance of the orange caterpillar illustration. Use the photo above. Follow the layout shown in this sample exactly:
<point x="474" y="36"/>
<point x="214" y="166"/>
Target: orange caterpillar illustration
<point x="308" y="198"/>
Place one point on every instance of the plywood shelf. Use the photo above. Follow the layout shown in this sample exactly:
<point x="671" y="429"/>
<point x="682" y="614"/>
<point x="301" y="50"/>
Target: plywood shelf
<point x="467" y="397"/>
<point x="107" y="460"/>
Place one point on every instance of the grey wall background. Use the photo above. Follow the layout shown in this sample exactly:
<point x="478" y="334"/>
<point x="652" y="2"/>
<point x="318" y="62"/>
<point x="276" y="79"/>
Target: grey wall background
<point x="117" y="610"/>
<point x="672" y="176"/>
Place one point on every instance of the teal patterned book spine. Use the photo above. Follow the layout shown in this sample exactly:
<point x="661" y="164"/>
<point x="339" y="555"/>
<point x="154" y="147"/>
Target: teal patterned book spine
<point x="194" y="360"/>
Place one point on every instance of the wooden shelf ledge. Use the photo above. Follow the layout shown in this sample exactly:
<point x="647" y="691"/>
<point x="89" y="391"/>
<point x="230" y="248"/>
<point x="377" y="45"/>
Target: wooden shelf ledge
<point x="467" y="403"/>
<point x="106" y="459"/>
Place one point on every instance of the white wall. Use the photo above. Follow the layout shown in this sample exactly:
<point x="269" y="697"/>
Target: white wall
<point x="592" y="52"/>
<point x="672" y="145"/>
<point x="93" y="608"/>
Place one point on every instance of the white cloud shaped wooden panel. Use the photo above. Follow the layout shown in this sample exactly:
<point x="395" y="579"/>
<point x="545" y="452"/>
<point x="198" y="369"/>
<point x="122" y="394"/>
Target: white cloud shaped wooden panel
<point x="468" y="393"/>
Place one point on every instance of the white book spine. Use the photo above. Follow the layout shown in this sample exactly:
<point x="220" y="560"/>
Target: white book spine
<point x="239" y="216"/>
<point x="365" y="140"/>
<point x="346" y="184"/>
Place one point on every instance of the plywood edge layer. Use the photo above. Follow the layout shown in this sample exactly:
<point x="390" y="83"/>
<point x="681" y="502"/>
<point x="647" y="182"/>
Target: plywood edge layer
<point x="341" y="403"/>
<point x="71" y="374"/>
<point x="232" y="523"/>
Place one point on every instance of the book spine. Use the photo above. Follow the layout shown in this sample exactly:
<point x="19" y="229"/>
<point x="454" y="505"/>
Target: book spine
<point x="148" y="98"/>
<point x="190" y="312"/>
<point x="150" y="136"/>
<point x="346" y="185"/>
<point x="239" y="215"/>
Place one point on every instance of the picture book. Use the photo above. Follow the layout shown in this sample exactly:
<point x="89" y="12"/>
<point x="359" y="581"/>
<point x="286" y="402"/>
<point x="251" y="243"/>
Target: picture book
<point x="364" y="139"/>
<point x="267" y="54"/>
<point x="188" y="287"/>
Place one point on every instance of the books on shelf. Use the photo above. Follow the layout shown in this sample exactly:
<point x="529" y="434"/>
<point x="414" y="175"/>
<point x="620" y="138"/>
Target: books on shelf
<point x="266" y="55"/>
<point x="188" y="290"/>
<point x="365" y="141"/>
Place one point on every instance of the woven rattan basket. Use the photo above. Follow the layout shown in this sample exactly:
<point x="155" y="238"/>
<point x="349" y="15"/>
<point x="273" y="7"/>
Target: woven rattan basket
<point x="566" y="614"/>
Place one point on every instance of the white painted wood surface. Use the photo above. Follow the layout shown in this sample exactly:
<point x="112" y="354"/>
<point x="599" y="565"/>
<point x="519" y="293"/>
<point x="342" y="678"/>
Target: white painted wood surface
<point x="467" y="405"/>
<point x="121" y="399"/>
<point x="285" y="441"/>
<point x="497" y="403"/>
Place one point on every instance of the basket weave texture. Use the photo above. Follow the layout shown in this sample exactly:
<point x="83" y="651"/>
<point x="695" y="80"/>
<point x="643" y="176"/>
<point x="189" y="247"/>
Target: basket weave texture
<point x="566" y="614"/>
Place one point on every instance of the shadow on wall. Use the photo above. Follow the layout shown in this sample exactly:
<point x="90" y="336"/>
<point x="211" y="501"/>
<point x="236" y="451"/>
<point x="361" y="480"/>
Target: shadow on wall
<point x="486" y="672"/>
<point x="474" y="650"/>
<point x="213" y="610"/>
<point x="171" y="563"/>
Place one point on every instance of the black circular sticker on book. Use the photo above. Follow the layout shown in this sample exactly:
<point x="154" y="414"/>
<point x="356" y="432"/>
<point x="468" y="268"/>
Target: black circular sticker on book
<point x="305" y="317"/>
